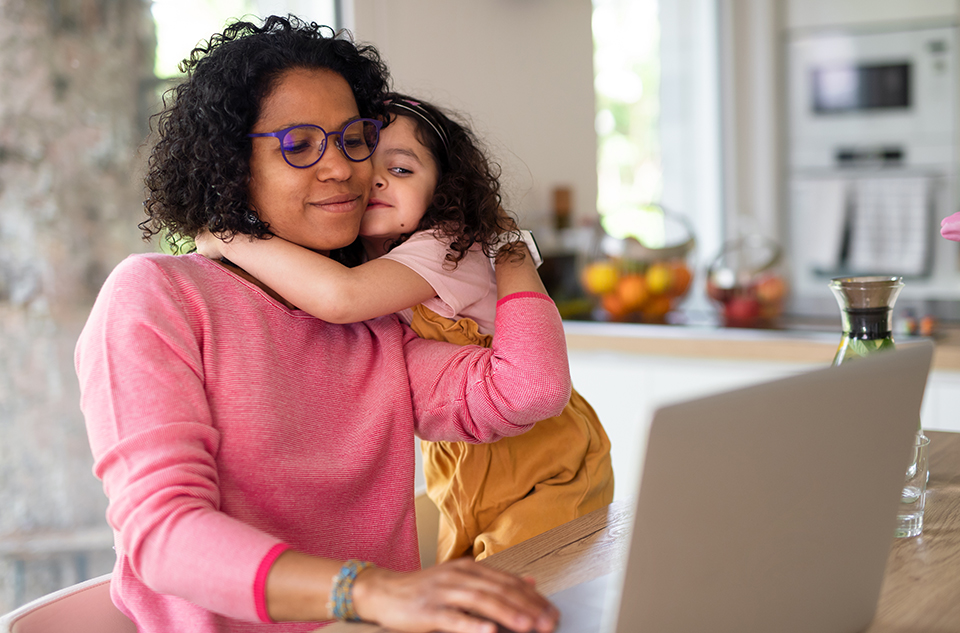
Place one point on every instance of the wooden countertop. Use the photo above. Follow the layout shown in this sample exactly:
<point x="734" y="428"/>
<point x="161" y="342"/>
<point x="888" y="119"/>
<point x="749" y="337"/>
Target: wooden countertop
<point x="800" y="346"/>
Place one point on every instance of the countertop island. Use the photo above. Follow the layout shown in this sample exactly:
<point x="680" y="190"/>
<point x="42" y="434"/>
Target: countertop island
<point x="809" y="342"/>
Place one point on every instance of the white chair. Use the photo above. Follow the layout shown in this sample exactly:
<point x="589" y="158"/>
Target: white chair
<point x="82" y="608"/>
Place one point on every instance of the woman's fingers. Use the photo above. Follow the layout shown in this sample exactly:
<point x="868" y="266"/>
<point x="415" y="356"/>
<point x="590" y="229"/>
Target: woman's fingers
<point x="493" y="593"/>
<point x="457" y="597"/>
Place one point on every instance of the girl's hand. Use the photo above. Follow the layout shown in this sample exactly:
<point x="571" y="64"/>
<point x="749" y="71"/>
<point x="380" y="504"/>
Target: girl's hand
<point x="209" y="245"/>
<point x="950" y="227"/>
<point x="461" y="596"/>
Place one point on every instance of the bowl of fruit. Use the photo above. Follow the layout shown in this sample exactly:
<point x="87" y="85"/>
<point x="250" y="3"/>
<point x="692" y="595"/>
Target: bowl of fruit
<point x="746" y="282"/>
<point x="641" y="278"/>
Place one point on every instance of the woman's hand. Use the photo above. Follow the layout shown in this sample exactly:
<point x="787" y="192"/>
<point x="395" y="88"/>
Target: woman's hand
<point x="461" y="596"/>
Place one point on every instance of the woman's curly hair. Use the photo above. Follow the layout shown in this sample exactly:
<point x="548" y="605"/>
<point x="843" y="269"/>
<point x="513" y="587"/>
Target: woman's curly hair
<point x="198" y="170"/>
<point x="467" y="205"/>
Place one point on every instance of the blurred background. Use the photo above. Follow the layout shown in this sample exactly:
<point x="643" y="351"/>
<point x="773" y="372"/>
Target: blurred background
<point x="727" y="157"/>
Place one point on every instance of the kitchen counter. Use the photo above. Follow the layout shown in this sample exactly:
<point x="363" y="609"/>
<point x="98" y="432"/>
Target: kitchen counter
<point x="626" y="371"/>
<point x="806" y="343"/>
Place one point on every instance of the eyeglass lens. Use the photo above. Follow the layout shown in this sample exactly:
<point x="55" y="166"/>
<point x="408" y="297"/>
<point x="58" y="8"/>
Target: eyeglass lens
<point x="304" y="145"/>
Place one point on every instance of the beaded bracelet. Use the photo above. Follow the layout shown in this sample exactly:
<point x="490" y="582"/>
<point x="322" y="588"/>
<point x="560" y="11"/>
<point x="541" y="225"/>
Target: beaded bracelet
<point x="341" y="595"/>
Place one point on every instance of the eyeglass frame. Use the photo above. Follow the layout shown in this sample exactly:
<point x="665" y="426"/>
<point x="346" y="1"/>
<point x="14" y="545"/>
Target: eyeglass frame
<point x="279" y="134"/>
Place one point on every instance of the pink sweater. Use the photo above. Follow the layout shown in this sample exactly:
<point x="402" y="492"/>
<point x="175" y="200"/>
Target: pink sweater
<point x="227" y="427"/>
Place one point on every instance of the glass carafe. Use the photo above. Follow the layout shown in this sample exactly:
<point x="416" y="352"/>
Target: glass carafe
<point x="866" y="306"/>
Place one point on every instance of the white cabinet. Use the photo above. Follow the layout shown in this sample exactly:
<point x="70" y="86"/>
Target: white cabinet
<point x="941" y="402"/>
<point x="625" y="389"/>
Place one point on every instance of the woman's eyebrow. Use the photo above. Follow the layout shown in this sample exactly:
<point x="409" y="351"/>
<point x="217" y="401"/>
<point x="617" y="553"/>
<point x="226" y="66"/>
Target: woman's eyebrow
<point x="337" y="128"/>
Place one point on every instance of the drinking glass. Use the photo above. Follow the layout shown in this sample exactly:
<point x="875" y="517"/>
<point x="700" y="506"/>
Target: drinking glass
<point x="910" y="518"/>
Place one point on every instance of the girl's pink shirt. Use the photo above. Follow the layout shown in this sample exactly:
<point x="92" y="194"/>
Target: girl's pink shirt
<point x="227" y="428"/>
<point x="467" y="291"/>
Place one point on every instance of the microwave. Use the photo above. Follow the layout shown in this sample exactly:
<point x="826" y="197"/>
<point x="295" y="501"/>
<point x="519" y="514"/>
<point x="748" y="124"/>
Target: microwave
<point x="871" y="160"/>
<point x="857" y="98"/>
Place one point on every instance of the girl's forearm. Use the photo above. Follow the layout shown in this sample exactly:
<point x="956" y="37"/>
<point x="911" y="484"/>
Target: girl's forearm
<point x="327" y="289"/>
<point x="301" y="276"/>
<point x="517" y="276"/>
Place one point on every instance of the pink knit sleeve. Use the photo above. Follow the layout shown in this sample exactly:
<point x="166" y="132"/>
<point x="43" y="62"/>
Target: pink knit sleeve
<point x="149" y="424"/>
<point x="476" y="394"/>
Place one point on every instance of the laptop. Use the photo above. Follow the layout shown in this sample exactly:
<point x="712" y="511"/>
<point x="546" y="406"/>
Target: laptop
<point x="767" y="508"/>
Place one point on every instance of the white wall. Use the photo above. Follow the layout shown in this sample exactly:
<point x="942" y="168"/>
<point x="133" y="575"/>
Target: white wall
<point x="752" y="123"/>
<point x="521" y="69"/>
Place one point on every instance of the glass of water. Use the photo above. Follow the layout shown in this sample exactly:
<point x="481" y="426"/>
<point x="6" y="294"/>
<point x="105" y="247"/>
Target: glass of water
<point x="910" y="518"/>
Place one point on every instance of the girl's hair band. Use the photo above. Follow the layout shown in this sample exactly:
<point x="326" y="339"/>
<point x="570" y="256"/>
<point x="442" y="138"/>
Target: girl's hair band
<point x="422" y="113"/>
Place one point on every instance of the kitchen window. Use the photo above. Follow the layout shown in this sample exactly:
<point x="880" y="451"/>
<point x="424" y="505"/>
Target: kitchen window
<point x="182" y="24"/>
<point x="657" y="68"/>
<point x="627" y="85"/>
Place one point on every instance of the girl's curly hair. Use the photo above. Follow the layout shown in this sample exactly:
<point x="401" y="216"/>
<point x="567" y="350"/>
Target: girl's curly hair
<point x="466" y="205"/>
<point x="198" y="169"/>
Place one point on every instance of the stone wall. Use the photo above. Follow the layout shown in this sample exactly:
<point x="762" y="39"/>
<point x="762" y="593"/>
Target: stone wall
<point x="76" y="90"/>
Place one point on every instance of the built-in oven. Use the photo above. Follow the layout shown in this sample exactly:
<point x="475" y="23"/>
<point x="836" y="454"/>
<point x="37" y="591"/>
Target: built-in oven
<point x="872" y="157"/>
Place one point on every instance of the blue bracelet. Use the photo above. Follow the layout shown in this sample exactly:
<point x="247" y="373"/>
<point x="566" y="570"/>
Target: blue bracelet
<point x="341" y="595"/>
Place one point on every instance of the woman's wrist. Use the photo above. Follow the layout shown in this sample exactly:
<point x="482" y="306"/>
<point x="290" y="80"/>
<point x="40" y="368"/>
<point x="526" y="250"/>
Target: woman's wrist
<point x="341" y="604"/>
<point x="365" y="589"/>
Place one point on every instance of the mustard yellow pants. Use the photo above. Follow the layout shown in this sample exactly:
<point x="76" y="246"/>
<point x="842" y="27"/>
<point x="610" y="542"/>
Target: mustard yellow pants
<point x="492" y="496"/>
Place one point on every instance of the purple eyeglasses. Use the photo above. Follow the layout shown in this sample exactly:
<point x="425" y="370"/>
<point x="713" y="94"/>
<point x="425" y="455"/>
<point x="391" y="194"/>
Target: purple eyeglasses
<point x="302" y="146"/>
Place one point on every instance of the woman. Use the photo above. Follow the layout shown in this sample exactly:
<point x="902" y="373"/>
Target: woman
<point x="249" y="449"/>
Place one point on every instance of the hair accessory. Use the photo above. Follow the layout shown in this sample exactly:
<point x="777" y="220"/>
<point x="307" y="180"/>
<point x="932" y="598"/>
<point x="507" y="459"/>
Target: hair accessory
<point x="416" y="108"/>
<point x="341" y="595"/>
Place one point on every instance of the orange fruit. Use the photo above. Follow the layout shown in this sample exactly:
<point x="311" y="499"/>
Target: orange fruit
<point x="599" y="278"/>
<point x="632" y="290"/>
<point x="771" y="289"/>
<point x="657" y="307"/>
<point x="681" y="279"/>
<point x="659" y="278"/>
<point x="613" y="304"/>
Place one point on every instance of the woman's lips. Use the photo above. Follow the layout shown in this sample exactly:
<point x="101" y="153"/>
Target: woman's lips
<point x="345" y="203"/>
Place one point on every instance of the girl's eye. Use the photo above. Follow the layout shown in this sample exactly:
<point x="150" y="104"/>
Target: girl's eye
<point x="400" y="171"/>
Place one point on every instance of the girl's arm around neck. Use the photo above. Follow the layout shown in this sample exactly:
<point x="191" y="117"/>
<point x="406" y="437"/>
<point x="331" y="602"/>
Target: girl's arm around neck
<point x="319" y="285"/>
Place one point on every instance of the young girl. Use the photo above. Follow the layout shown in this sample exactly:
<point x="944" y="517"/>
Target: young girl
<point x="432" y="224"/>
